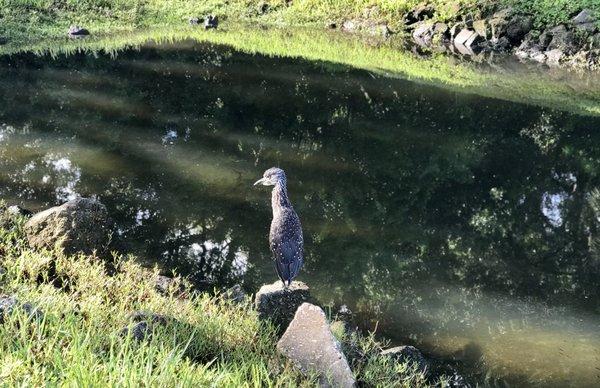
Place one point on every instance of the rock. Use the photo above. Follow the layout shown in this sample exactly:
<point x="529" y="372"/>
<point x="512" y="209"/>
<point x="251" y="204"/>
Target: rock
<point x="211" y="21"/>
<point x="366" y="26"/>
<point x="595" y="41"/>
<point x="195" y="21"/>
<point x="502" y="44"/>
<point x="422" y="30"/>
<point x="143" y="324"/>
<point x="562" y="39"/>
<point x="554" y="57"/>
<point x="16" y="210"/>
<point x="262" y="7"/>
<point x="455" y="30"/>
<point x="467" y="42"/>
<point x="584" y="17"/>
<point x="482" y="28"/>
<point x="538" y="57"/>
<point x="76" y="31"/>
<point x="310" y="345"/>
<point x="9" y="303"/>
<point x="407" y="354"/>
<point x="278" y="304"/>
<point x="80" y="225"/>
<point x="164" y="285"/>
<point x="235" y="294"/>
<point x="517" y="28"/>
<point x="419" y="13"/>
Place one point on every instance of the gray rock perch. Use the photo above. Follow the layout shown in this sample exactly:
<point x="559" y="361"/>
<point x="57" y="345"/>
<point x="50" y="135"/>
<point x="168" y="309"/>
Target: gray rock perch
<point x="279" y="304"/>
<point x="310" y="345"/>
<point x="285" y="238"/>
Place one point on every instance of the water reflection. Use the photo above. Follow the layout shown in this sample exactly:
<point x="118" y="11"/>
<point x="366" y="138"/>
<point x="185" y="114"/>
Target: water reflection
<point x="468" y="226"/>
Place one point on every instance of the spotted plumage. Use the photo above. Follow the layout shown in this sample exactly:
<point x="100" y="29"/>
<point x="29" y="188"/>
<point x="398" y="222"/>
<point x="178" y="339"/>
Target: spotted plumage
<point x="285" y="237"/>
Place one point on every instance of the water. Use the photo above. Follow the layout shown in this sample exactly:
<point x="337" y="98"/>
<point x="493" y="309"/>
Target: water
<point x="467" y="226"/>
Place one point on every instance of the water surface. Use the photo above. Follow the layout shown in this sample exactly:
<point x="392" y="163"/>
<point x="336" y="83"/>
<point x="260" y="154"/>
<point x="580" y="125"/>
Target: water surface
<point x="467" y="226"/>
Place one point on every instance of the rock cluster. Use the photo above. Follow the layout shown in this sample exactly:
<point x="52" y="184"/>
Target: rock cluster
<point x="576" y="43"/>
<point x="79" y="225"/>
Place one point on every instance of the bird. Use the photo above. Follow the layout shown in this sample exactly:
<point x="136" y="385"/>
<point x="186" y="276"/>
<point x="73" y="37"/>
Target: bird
<point x="285" y="237"/>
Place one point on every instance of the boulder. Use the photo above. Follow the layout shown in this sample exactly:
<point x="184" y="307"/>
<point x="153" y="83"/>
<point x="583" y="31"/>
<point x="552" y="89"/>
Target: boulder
<point x="77" y="32"/>
<point x="310" y="345"/>
<point x="562" y="39"/>
<point x="455" y="30"/>
<point x="595" y="41"/>
<point x="8" y="304"/>
<point x="407" y="354"/>
<point x="517" y="28"/>
<point x="211" y="21"/>
<point x="143" y="323"/>
<point x="279" y="304"/>
<point x="366" y="26"/>
<point x="585" y="21"/>
<point x="419" y="13"/>
<point x="467" y="42"/>
<point x="164" y="285"/>
<point x="554" y="57"/>
<point x="80" y="225"/>
<point x="235" y="294"/>
<point x="482" y="27"/>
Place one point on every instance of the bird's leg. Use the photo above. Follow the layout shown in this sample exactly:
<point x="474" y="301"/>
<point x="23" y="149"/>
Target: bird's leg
<point x="285" y="286"/>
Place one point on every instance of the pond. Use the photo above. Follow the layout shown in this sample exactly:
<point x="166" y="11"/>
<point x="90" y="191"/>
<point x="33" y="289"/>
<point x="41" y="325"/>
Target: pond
<point x="468" y="226"/>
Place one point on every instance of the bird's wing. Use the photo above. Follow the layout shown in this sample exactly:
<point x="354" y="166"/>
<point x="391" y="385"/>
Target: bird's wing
<point x="288" y="249"/>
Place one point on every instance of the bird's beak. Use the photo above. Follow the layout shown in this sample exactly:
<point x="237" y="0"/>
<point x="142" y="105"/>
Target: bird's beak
<point x="260" y="181"/>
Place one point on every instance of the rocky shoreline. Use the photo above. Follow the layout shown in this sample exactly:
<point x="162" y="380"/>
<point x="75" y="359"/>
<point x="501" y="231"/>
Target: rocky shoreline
<point x="306" y="336"/>
<point x="481" y="32"/>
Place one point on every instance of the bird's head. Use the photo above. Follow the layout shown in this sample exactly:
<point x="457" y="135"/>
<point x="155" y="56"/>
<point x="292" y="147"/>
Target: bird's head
<point x="271" y="177"/>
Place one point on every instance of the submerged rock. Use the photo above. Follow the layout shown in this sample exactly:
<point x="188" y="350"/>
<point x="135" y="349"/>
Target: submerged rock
<point x="76" y="31"/>
<point x="310" y="345"/>
<point x="8" y="304"/>
<point x="80" y="225"/>
<point x="279" y="304"/>
<point x="407" y="354"/>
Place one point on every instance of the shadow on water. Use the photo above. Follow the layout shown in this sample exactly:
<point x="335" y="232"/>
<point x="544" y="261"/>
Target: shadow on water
<point x="465" y="225"/>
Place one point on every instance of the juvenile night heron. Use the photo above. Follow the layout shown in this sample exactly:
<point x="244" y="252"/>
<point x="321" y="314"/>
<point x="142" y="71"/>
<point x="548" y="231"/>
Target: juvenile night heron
<point x="285" y="237"/>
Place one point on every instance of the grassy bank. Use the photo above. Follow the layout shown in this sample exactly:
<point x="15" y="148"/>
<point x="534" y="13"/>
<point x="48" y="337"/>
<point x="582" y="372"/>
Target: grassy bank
<point x="24" y="21"/>
<point x="79" y="340"/>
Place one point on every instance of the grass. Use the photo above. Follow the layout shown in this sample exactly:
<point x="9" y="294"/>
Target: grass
<point x="25" y="21"/>
<point x="207" y="340"/>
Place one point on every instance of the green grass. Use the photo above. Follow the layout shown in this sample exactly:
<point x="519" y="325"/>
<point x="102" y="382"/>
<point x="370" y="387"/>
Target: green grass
<point x="28" y="20"/>
<point x="208" y="341"/>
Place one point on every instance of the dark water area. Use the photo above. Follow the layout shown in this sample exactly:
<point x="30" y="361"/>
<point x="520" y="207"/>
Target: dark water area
<point x="466" y="226"/>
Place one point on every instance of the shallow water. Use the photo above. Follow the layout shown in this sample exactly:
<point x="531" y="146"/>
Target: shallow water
<point x="467" y="226"/>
